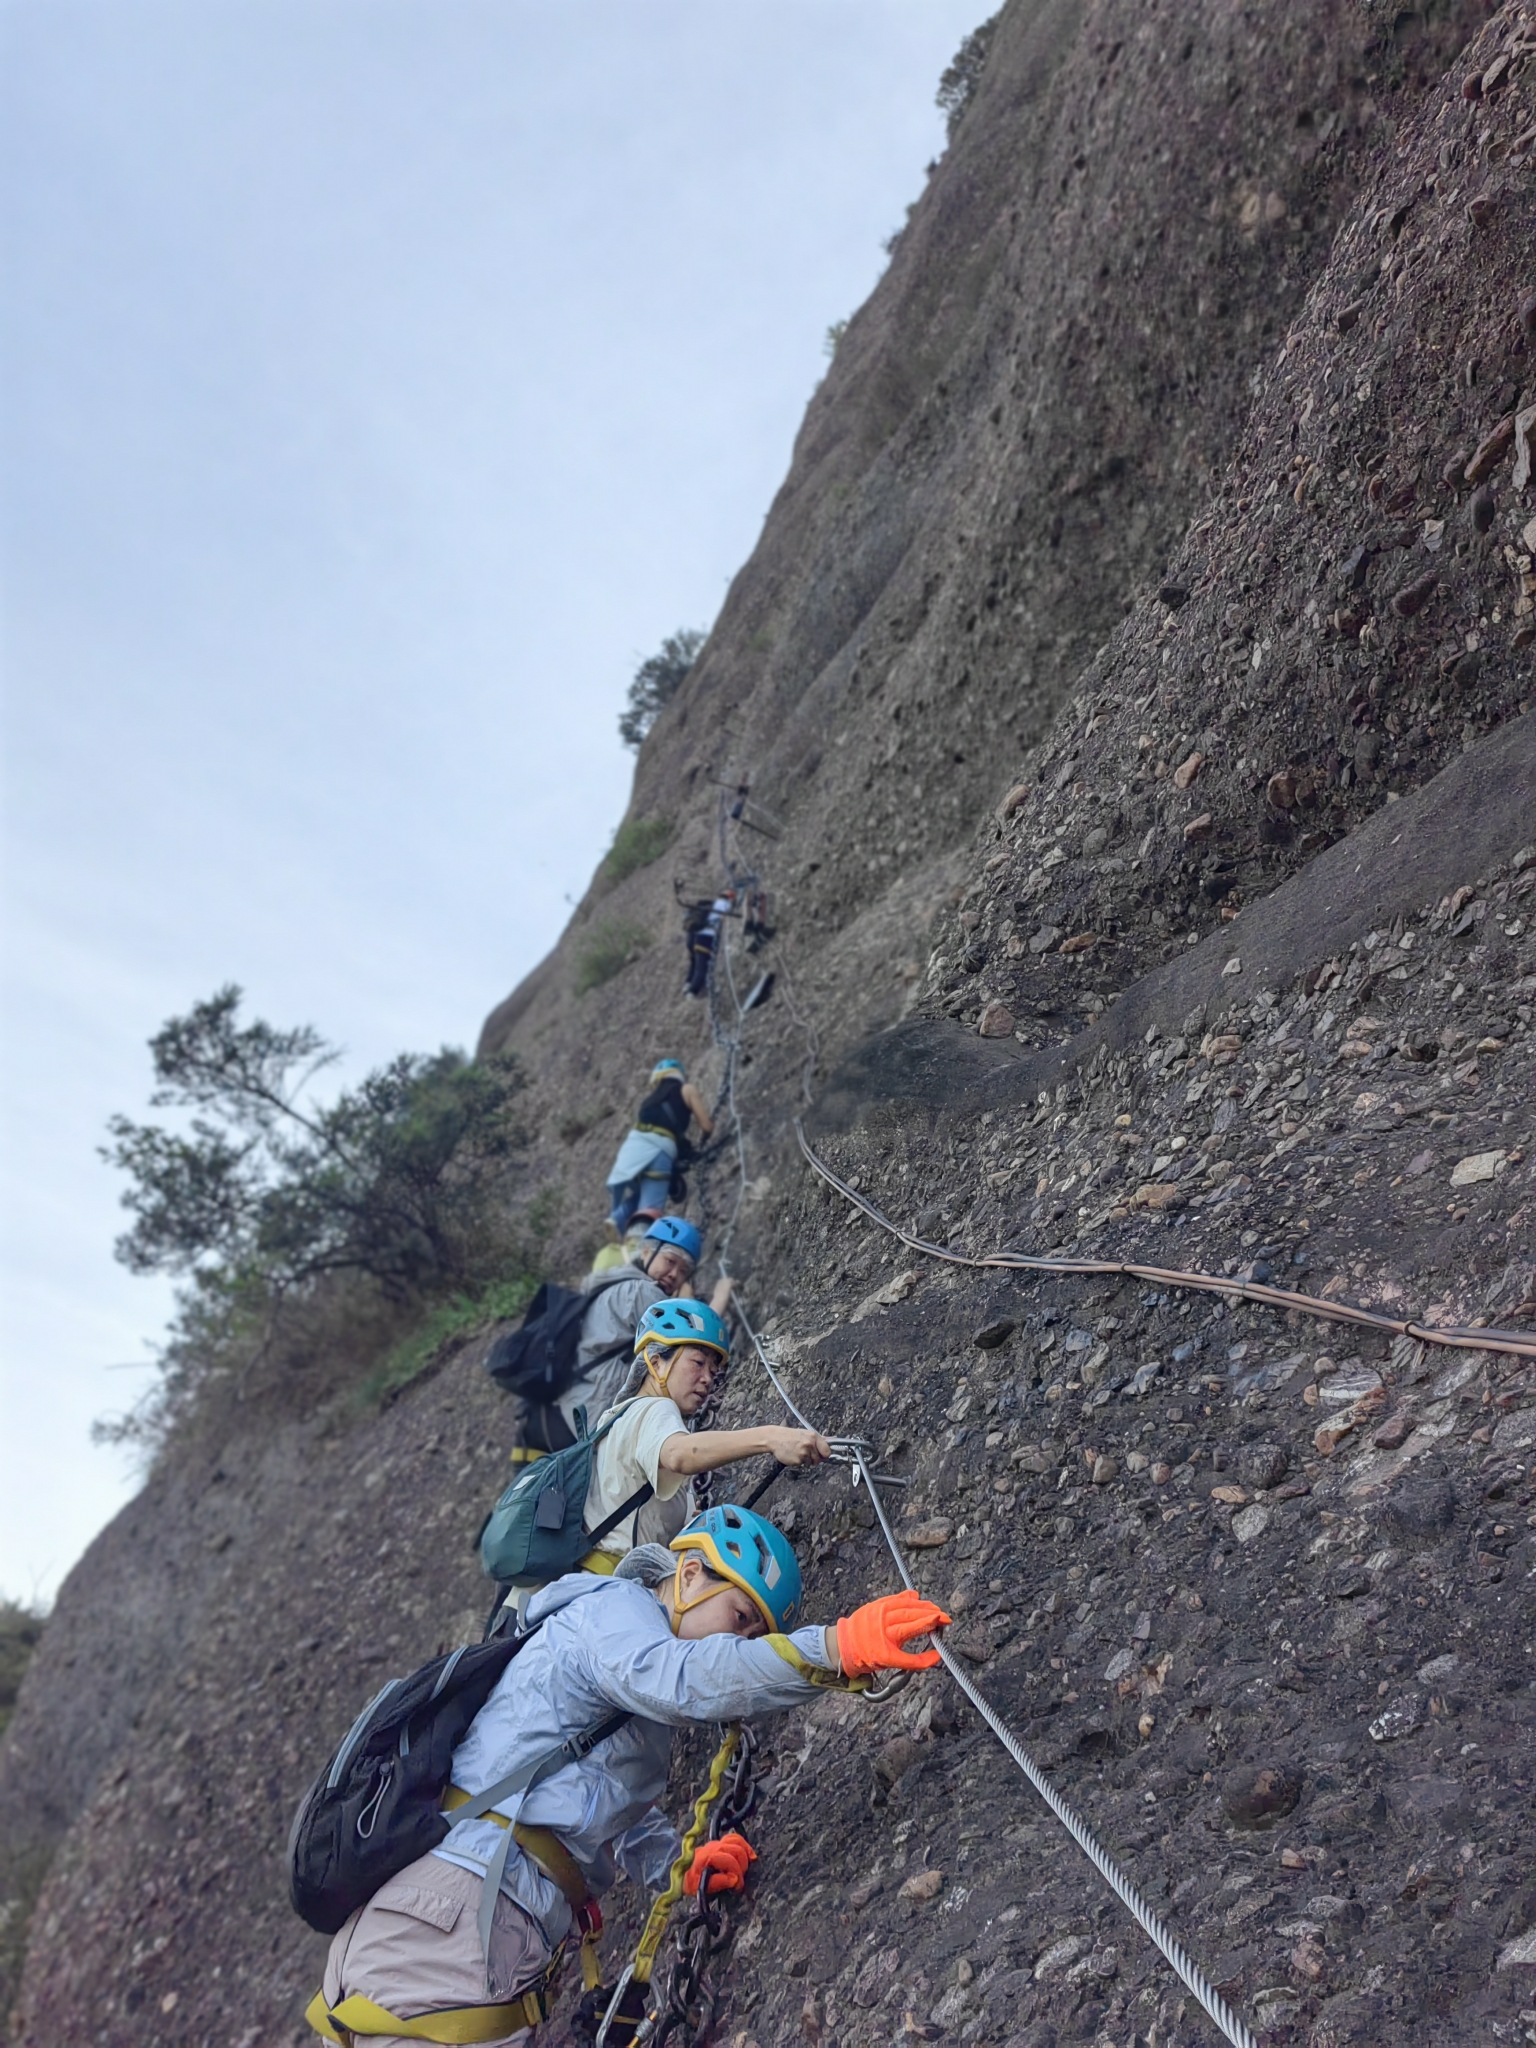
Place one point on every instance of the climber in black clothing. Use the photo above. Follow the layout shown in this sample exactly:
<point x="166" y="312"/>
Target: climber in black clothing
<point x="642" y="1173"/>
<point x="703" y="935"/>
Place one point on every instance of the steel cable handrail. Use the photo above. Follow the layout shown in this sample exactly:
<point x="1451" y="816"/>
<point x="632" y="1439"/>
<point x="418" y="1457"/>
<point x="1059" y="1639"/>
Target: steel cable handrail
<point x="1184" y="1967"/>
<point x="1513" y="1342"/>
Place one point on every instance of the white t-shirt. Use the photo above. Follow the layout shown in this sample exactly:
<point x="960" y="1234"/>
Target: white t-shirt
<point x="626" y="1458"/>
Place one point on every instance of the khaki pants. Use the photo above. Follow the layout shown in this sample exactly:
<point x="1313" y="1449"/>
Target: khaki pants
<point x="415" y="1948"/>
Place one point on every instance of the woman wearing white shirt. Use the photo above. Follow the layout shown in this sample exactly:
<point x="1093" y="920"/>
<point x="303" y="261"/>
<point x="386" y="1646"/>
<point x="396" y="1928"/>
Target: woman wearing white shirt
<point x="683" y="1345"/>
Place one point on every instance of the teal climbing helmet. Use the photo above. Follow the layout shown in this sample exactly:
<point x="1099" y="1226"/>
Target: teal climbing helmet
<point x="671" y="1323"/>
<point x="664" y="1068"/>
<point x="748" y="1551"/>
<point x="678" y="1232"/>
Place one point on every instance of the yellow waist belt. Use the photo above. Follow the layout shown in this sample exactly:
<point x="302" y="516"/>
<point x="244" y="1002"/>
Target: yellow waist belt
<point x="360" y="2017"/>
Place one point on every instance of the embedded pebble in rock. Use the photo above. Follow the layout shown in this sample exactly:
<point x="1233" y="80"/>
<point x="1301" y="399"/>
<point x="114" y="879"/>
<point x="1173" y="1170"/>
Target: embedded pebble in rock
<point x="1059" y="1955"/>
<point x="1105" y="1470"/>
<point x="927" y="1884"/>
<point x="1477" y="1166"/>
<point x="1264" y="1464"/>
<point x="929" y="1535"/>
<point x="1491" y="451"/>
<point x="1525" y="448"/>
<point x="1257" y="1798"/>
<point x="897" y="1757"/>
<point x="1251" y="1523"/>
<point x="1401" y="1718"/>
<point x="992" y="1335"/>
<point x="1412" y="597"/>
<point x="1350" y="1384"/>
<point x="996" y="1021"/>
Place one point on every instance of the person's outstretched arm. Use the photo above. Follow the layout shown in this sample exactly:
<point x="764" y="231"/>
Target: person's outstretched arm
<point x="726" y="1678"/>
<point x="705" y="1450"/>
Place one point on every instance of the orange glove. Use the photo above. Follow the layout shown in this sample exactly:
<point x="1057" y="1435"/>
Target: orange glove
<point x="871" y="1638"/>
<point x="723" y="1862"/>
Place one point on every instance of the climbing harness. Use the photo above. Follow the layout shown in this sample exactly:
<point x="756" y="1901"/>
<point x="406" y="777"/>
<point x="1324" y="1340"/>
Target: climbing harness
<point x="1235" y="2029"/>
<point x="1512" y="1342"/>
<point x="723" y="1807"/>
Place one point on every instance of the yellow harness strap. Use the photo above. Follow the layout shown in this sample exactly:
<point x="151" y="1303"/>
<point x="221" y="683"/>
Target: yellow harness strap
<point x="524" y="1454"/>
<point x="603" y="1562"/>
<point x="561" y="1868"/>
<point x="466" y="2023"/>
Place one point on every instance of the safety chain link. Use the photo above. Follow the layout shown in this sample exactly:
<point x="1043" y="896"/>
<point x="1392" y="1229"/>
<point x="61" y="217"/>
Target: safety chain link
<point x="692" y="1997"/>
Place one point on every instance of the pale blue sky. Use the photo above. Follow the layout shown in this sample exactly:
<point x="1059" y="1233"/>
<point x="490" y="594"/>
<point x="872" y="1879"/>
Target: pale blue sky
<point x="379" y="381"/>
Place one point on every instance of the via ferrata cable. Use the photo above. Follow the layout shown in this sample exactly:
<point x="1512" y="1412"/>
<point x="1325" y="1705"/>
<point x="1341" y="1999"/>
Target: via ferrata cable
<point x="1231" y="2024"/>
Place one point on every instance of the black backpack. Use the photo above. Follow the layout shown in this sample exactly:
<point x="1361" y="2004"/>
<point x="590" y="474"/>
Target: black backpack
<point x="377" y="1804"/>
<point x="537" y="1360"/>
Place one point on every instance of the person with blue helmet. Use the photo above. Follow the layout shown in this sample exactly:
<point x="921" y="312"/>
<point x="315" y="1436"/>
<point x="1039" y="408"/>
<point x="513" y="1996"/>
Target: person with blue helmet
<point x="664" y="1265"/>
<point x="641" y="1175"/>
<point x="707" y="1630"/>
<point x="683" y="1347"/>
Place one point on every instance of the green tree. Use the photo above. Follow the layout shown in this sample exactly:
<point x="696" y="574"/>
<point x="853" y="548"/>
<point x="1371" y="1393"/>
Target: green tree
<point x="21" y="1630"/>
<point x="957" y="87"/>
<point x="391" y="1179"/>
<point x="657" y="681"/>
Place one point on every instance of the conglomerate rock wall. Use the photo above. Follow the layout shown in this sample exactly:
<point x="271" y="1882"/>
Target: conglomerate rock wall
<point x="1132" y="677"/>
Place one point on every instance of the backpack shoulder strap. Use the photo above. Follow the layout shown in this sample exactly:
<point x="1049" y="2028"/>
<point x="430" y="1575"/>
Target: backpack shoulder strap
<point x="571" y="1751"/>
<point x="609" y="1523"/>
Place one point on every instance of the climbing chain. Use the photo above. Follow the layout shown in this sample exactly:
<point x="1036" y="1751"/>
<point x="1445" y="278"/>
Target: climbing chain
<point x="1513" y="1342"/>
<point x="728" y="1801"/>
<point x="1178" y="1959"/>
<point x="692" y="1996"/>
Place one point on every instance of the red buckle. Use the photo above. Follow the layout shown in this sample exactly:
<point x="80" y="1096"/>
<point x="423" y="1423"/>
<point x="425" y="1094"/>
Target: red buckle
<point x="589" y="1917"/>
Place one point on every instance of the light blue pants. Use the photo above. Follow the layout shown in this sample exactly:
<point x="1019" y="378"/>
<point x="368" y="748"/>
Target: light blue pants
<point x="641" y="1176"/>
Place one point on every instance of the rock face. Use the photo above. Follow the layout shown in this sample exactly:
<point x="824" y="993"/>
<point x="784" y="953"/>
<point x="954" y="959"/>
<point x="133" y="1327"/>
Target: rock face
<point x="1137" y="651"/>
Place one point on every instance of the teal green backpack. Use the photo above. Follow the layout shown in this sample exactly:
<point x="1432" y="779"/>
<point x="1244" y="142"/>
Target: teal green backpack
<point x="534" y="1533"/>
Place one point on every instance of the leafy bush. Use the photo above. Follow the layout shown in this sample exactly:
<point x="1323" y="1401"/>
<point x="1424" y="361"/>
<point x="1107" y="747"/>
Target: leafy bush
<point x="21" y="1630"/>
<point x="607" y="951"/>
<point x="832" y="340"/>
<point x="636" y="844"/>
<point x="657" y="681"/>
<point x="957" y="87"/>
<point x="390" y="1179"/>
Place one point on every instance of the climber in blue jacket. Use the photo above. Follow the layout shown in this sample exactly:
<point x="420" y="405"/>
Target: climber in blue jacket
<point x="469" y="1936"/>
